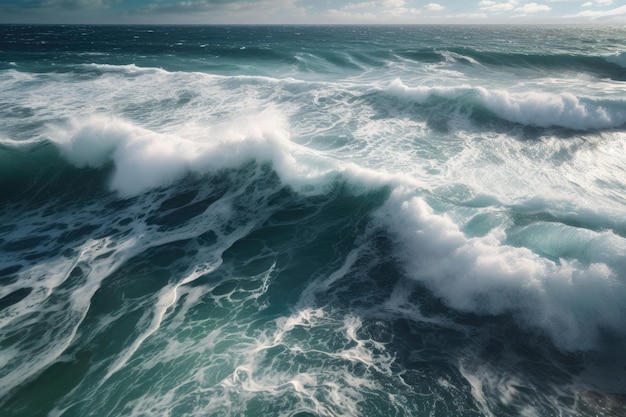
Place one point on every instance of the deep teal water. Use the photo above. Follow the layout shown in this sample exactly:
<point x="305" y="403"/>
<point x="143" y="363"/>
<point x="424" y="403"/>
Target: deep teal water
<point x="312" y="221"/>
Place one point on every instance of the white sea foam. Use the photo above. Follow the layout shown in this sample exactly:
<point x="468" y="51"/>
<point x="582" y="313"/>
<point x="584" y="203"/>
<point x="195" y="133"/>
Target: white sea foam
<point x="570" y="301"/>
<point x="19" y="143"/>
<point x="422" y="93"/>
<point x="496" y="387"/>
<point x="65" y="308"/>
<point x="533" y="108"/>
<point x="578" y="178"/>
<point x="145" y="159"/>
<point x="125" y="69"/>
<point x="544" y="110"/>
<point x="12" y="80"/>
<point x="452" y="57"/>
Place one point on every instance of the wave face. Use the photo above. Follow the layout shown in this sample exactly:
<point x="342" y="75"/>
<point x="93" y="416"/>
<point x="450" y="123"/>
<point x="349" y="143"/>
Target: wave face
<point x="312" y="221"/>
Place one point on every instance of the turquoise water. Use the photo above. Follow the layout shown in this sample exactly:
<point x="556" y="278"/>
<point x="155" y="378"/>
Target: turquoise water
<point x="312" y="221"/>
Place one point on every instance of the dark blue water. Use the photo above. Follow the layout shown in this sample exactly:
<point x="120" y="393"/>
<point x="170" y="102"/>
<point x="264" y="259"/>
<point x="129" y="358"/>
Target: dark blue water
<point x="312" y="221"/>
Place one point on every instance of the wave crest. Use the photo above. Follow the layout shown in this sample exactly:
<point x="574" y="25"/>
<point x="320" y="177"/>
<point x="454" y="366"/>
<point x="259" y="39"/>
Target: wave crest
<point x="144" y="159"/>
<point x="570" y="301"/>
<point x="617" y="59"/>
<point x="531" y="108"/>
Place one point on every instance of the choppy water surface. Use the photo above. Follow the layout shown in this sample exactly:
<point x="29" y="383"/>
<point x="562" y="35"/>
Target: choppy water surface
<point x="312" y="221"/>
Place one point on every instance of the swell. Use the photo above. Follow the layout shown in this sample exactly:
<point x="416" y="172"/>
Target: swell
<point x="340" y="48"/>
<point x="609" y="66"/>
<point x="532" y="108"/>
<point x="601" y="66"/>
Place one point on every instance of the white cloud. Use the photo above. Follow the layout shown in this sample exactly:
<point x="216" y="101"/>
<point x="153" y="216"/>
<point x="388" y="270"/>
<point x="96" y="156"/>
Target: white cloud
<point x="467" y="16"/>
<point x="374" y="4"/>
<point x="373" y="11"/>
<point x="434" y="7"/>
<point x="598" y="2"/>
<point x="200" y="6"/>
<point x="392" y="3"/>
<point x="495" y="7"/>
<point x="532" y="8"/>
<point x="351" y="16"/>
<point x="357" y="6"/>
<point x="597" y="14"/>
<point x="219" y="11"/>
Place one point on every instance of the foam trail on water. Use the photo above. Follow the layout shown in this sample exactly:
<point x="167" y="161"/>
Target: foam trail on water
<point x="477" y="392"/>
<point x="130" y="69"/>
<point x="63" y="316"/>
<point x="317" y="388"/>
<point x="168" y="296"/>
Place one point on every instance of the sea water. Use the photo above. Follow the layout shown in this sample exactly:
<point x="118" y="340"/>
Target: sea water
<point x="312" y="221"/>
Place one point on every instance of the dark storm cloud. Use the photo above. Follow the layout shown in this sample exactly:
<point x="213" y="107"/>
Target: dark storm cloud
<point x="55" y="4"/>
<point x="200" y="6"/>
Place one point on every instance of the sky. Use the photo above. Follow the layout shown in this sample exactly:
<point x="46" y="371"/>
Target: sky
<point x="313" y="11"/>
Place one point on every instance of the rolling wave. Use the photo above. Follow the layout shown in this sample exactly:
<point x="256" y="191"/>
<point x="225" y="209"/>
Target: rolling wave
<point x="528" y="108"/>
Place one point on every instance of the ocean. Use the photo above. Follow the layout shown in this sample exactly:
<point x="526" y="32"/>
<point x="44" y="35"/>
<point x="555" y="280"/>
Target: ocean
<point x="312" y="221"/>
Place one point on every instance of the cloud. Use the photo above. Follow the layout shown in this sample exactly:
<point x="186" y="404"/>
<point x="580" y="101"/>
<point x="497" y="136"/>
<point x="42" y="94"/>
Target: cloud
<point x="55" y="11"/>
<point x="434" y="7"/>
<point x="467" y="16"/>
<point x="340" y="14"/>
<point x="67" y="4"/>
<point x="496" y="7"/>
<point x="374" y="4"/>
<point x="299" y="11"/>
<point x="201" y="6"/>
<point x="532" y="8"/>
<point x="373" y="11"/>
<point x="245" y="7"/>
<point x="598" y="14"/>
<point x="598" y="2"/>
